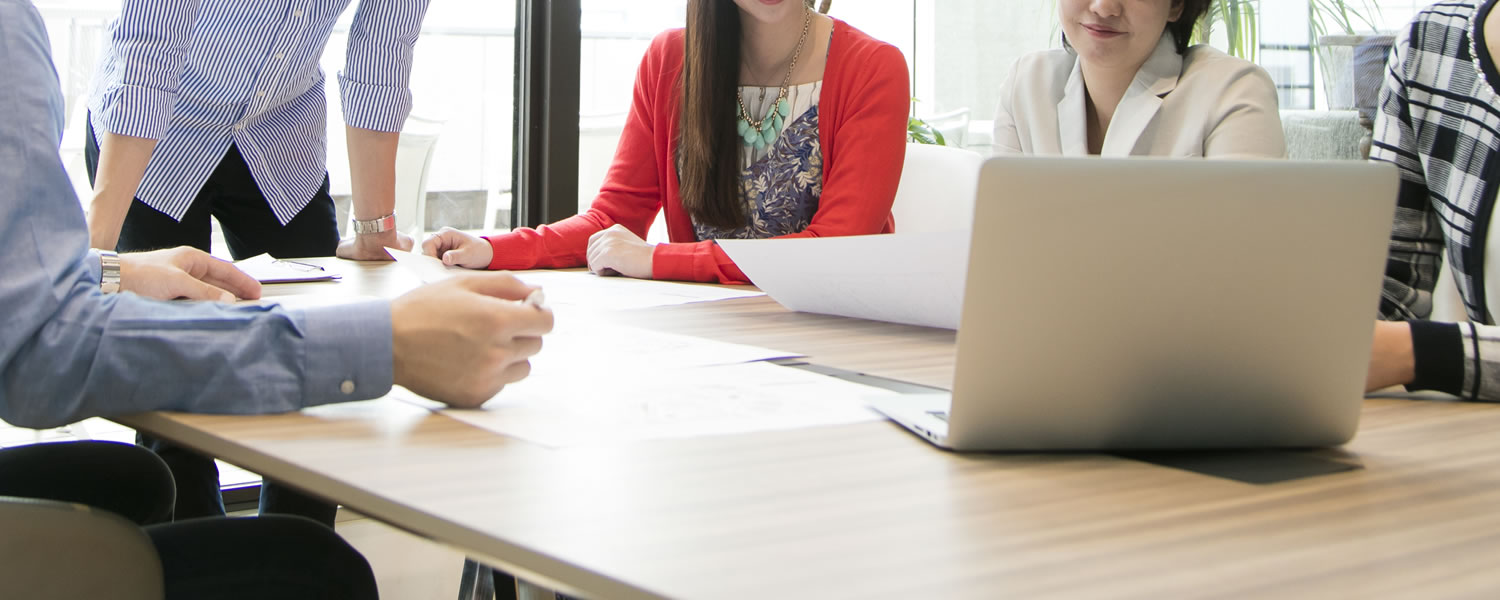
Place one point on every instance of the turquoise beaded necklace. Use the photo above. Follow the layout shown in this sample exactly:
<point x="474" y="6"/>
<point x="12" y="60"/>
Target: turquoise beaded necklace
<point x="762" y="133"/>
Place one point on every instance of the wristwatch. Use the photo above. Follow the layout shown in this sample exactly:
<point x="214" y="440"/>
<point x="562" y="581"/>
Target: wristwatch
<point x="109" y="272"/>
<point x="376" y="225"/>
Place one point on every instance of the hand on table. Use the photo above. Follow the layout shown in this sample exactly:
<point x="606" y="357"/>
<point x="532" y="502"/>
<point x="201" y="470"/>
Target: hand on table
<point x="371" y="246"/>
<point x="461" y="340"/>
<point x="184" y="272"/>
<point x="617" y="250"/>
<point x="456" y="248"/>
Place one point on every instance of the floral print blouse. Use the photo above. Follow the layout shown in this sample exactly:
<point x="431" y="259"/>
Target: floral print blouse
<point x="780" y="184"/>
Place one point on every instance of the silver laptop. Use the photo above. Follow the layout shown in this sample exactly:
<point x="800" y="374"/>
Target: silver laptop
<point x="1150" y="303"/>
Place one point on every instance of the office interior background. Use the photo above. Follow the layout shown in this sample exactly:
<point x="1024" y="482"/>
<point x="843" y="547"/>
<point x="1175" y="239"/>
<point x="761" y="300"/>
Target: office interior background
<point x="464" y="79"/>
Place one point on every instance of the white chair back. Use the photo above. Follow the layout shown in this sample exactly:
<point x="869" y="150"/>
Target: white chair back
<point x="413" y="161"/>
<point x="937" y="189"/>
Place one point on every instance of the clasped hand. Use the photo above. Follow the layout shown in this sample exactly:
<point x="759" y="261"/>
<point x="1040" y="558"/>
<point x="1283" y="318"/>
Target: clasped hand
<point x="619" y="251"/>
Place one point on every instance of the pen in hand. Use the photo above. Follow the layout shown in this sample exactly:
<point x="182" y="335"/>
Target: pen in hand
<point x="536" y="299"/>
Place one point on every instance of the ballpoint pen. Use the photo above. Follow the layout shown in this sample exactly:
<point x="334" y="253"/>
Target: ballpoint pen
<point x="536" y="299"/>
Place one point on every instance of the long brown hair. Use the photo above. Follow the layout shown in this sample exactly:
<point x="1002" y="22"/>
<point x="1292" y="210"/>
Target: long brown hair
<point x="709" y="148"/>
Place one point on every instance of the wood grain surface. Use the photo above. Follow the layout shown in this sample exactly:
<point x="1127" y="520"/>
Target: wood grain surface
<point x="869" y="511"/>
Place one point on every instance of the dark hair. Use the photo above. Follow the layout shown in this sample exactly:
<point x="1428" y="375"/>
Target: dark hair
<point x="708" y="150"/>
<point x="1182" y="28"/>
<point x="708" y="145"/>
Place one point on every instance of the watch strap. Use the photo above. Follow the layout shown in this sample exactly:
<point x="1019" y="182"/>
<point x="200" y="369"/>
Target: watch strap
<point x="376" y="225"/>
<point x="109" y="271"/>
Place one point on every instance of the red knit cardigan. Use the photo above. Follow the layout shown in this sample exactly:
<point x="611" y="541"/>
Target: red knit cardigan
<point x="862" y="112"/>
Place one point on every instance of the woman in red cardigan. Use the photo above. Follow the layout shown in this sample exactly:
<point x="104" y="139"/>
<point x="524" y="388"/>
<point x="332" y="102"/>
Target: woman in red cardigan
<point x="761" y="119"/>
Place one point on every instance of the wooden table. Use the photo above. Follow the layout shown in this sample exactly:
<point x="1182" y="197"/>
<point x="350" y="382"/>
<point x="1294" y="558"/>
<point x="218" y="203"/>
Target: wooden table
<point x="1409" y="508"/>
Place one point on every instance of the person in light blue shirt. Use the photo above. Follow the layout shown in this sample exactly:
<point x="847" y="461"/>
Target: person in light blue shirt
<point x="215" y="108"/>
<point x="69" y="350"/>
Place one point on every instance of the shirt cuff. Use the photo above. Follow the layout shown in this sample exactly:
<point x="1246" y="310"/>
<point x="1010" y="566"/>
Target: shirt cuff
<point x="135" y="111"/>
<point x="680" y="261"/>
<point x="95" y="266"/>
<point x="374" y="107"/>
<point x="348" y="352"/>
<point x="1438" y="349"/>
<point x="511" y="251"/>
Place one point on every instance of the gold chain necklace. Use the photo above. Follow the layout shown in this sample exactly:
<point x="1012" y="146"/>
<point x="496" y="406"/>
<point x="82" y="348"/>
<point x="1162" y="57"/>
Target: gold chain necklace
<point x="763" y="132"/>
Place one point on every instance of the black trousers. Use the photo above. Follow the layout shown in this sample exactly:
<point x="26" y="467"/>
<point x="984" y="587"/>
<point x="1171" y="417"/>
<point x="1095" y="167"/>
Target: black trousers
<point x="232" y="196"/>
<point x="215" y="558"/>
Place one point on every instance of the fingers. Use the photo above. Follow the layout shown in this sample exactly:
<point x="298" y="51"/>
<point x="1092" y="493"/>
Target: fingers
<point x="184" y="285"/>
<point x="444" y="240"/>
<point x="497" y="285"/>
<point x="456" y="248"/>
<point x="463" y="256"/>
<point x="598" y="250"/>
<point x="433" y="245"/>
<point x="527" y="347"/>
<point x="228" y="277"/>
<point x="514" y="320"/>
<point x="516" y="372"/>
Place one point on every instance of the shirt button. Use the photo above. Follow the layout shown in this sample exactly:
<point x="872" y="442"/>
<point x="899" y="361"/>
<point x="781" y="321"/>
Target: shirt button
<point x="260" y="94"/>
<point x="347" y="387"/>
<point x="297" y="13"/>
<point x="280" y="55"/>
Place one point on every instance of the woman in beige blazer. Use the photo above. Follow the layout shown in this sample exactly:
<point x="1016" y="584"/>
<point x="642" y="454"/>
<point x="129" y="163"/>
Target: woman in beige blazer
<point x="1127" y="84"/>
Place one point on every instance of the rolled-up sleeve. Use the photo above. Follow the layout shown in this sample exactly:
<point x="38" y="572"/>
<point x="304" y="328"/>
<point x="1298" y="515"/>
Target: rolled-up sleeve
<point x="137" y="94"/>
<point x="375" y="81"/>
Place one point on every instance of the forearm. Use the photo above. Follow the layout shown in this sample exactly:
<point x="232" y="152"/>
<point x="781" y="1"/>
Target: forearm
<point x="122" y="165"/>
<point x="103" y="356"/>
<point x="372" y="168"/>
<point x="372" y="165"/>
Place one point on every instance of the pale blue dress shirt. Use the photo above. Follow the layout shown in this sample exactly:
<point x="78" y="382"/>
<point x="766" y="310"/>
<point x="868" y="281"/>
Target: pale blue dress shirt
<point x="69" y="352"/>
<point x="198" y="75"/>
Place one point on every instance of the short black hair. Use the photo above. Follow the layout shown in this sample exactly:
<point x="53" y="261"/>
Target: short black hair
<point x="1182" y="28"/>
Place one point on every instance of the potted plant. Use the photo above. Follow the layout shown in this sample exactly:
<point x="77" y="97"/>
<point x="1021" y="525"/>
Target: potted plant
<point x="1352" y="64"/>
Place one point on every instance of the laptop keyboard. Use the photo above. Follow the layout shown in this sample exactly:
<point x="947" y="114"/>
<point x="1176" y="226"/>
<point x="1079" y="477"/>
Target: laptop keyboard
<point x="941" y="415"/>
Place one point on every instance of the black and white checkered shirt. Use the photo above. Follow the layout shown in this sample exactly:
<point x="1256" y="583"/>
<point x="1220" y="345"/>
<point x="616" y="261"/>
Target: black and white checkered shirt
<point x="1440" y="124"/>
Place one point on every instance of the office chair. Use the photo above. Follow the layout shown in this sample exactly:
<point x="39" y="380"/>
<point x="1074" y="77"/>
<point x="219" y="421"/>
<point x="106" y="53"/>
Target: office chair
<point x="55" y="550"/>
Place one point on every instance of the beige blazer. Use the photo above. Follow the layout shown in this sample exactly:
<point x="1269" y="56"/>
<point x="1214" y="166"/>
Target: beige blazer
<point x="1202" y="104"/>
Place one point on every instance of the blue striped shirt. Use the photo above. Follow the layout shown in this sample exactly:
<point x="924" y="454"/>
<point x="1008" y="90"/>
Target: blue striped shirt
<point x="198" y="75"/>
<point x="68" y="352"/>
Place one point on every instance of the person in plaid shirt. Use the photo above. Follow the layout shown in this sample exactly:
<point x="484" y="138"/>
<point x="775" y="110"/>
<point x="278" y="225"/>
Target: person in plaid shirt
<point x="1440" y="125"/>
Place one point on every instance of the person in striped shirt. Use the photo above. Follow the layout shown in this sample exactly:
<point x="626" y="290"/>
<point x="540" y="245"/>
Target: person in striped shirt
<point x="216" y="108"/>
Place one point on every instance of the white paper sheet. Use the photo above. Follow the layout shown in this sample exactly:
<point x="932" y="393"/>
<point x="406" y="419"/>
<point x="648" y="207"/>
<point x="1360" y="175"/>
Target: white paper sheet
<point x="586" y="345"/>
<point x="426" y="268"/>
<point x="917" y="279"/>
<point x="722" y="400"/>
<point x="270" y="270"/>
<point x="586" y="290"/>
